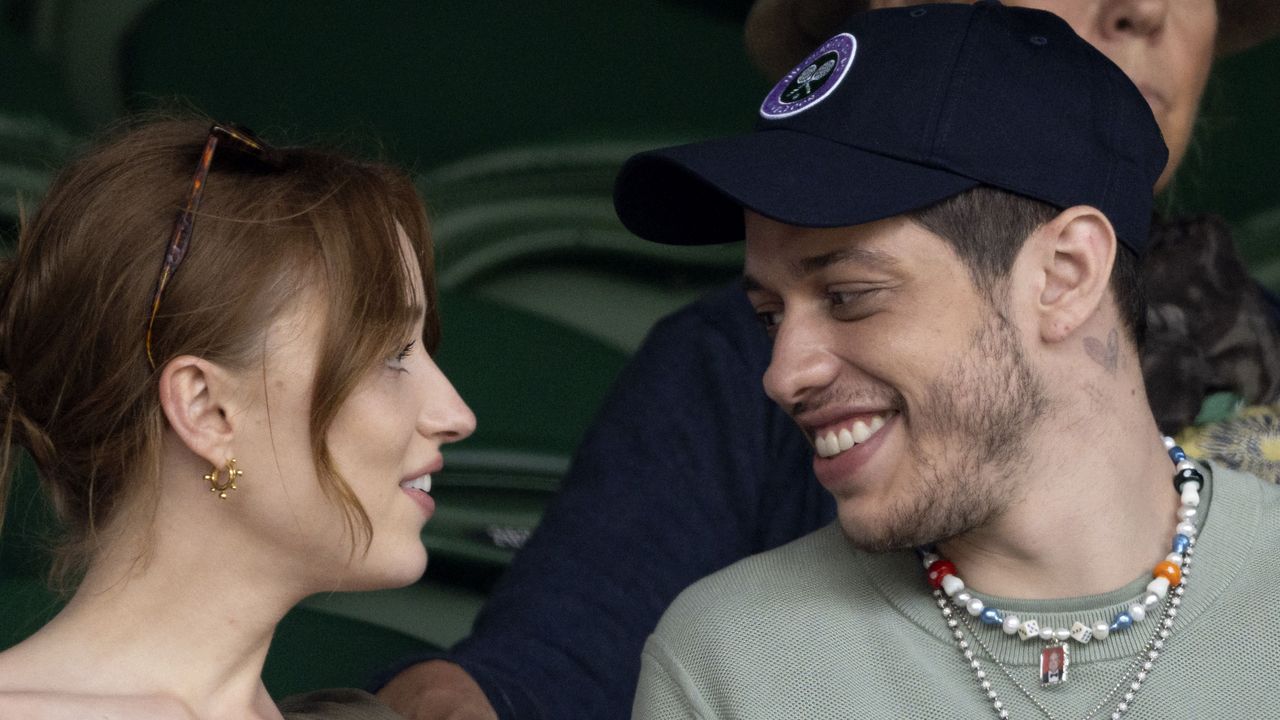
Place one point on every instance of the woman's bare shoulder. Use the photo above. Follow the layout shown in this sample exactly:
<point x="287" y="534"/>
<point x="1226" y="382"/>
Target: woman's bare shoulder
<point x="39" y="705"/>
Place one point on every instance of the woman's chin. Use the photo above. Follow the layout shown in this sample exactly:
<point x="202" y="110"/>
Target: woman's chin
<point x="387" y="570"/>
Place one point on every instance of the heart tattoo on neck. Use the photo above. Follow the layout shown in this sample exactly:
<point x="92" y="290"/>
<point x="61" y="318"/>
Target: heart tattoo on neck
<point x="1108" y="356"/>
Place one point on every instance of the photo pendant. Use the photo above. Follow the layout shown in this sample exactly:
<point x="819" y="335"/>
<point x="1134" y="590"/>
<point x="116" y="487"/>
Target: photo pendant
<point x="1054" y="660"/>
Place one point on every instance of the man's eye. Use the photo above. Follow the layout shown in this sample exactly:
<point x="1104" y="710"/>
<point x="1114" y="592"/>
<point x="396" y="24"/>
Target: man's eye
<point x="851" y="304"/>
<point x="769" y="319"/>
<point x="847" y="297"/>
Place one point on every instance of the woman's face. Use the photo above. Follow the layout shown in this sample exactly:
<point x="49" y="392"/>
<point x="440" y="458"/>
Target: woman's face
<point x="1164" y="46"/>
<point x="387" y="433"/>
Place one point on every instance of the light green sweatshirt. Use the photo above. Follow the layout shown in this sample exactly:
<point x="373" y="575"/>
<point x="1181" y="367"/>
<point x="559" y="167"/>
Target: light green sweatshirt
<point x="819" y="629"/>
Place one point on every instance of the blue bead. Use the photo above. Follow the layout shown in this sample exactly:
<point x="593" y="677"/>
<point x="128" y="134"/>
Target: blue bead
<point x="1177" y="454"/>
<point x="991" y="616"/>
<point x="1122" y="621"/>
<point x="1181" y="543"/>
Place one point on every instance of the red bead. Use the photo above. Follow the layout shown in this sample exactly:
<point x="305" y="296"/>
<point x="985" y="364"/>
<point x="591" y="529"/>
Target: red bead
<point x="1168" y="570"/>
<point x="938" y="570"/>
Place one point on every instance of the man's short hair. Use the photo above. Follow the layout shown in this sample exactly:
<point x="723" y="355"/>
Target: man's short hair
<point x="987" y="228"/>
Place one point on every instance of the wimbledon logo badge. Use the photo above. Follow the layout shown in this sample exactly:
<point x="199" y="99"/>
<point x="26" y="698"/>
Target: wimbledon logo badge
<point x="813" y="80"/>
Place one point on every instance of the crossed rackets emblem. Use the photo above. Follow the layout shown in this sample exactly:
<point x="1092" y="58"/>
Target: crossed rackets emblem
<point x="802" y="86"/>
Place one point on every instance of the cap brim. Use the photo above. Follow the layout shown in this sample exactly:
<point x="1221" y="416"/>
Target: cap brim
<point x="694" y="194"/>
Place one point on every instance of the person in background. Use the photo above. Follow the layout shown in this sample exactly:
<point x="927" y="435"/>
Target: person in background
<point x="689" y="467"/>
<point x="219" y="433"/>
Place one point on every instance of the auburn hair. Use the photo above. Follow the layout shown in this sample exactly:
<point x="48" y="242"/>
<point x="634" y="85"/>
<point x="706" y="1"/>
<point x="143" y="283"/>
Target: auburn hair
<point x="77" y="391"/>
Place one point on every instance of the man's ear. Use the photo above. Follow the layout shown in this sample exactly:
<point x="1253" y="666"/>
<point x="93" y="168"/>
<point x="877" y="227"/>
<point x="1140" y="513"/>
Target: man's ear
<point x="1075" y="252"/>
<point x="192" y="395"/>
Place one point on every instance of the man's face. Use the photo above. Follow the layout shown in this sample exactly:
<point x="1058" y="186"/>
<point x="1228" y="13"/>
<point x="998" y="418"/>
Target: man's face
<point x="913" y="389"/>
<point x="1164" y="46"/>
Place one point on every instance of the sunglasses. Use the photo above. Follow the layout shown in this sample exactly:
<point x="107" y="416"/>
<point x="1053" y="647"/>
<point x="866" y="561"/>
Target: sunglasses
<point x="233" y="137"/>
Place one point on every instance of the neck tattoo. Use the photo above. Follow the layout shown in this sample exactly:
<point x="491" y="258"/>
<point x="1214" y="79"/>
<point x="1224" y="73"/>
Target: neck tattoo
<point x="964" y="613"/>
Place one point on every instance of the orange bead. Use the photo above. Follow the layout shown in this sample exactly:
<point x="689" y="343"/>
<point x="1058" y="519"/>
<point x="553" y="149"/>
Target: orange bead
<point x="1170" y="571"/>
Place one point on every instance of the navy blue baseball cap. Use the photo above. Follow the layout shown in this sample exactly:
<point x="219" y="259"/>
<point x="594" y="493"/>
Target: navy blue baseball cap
<point x="907" y="107"/>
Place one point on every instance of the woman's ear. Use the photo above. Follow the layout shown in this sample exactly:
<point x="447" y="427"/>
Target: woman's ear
<point x="193" y="395"/>
<point x="1076" y="251"/>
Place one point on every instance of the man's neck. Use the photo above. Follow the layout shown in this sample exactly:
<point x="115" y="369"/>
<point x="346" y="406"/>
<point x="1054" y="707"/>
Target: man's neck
<point x="1099" y="509"/>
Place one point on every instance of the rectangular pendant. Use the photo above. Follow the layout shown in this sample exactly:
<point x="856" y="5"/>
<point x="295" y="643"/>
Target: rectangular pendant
<point x="1054" y="660"/>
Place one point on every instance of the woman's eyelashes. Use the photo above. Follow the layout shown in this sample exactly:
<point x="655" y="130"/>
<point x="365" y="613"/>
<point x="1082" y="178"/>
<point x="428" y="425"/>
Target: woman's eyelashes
<point x="396" y="362"/>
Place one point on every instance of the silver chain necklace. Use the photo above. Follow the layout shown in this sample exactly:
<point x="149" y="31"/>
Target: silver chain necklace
<point x="1135" y="673"/>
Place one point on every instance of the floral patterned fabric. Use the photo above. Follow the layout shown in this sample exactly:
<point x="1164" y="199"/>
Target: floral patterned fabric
<point x="1249" y="441"/>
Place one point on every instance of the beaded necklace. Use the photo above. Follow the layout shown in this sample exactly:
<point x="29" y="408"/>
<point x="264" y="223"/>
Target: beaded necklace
<point x="1163" y="595"/>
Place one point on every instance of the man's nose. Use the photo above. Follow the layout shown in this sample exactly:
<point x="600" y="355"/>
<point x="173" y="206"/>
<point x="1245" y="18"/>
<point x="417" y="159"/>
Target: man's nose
<point x="803" y="362"/>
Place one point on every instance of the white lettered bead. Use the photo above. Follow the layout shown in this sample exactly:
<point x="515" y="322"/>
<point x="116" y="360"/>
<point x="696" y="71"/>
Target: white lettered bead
<point x="1011" y="624"/>
<point x="952" y="585"/>
<point x="1029" y="629"/>
<point x="1081" y="632"/>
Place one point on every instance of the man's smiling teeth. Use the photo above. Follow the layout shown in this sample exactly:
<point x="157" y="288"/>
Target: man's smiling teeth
<point x="833" y="443"/>
<point x="419" y="483"/>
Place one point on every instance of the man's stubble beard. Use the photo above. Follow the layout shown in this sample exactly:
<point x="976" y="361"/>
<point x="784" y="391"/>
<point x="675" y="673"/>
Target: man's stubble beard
<point x="968" y="440"/>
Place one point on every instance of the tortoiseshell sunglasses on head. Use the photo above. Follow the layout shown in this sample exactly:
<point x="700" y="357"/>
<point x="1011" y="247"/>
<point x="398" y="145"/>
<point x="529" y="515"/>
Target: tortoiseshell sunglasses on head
<point x="236" y="137"/>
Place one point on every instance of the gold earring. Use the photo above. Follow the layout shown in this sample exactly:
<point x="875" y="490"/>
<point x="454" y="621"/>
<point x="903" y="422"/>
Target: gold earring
<point x="230" y="484"/>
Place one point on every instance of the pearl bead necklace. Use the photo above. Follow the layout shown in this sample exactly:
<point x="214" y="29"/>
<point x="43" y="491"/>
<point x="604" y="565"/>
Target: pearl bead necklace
<point x="1164" y="593"/>
<point x="1165" y="575"/>
<point x="1135" y="674"/>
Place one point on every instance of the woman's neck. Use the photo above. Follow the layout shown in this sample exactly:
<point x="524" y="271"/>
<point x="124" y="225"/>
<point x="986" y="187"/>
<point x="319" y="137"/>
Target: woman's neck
<point x="182" y="622"/>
